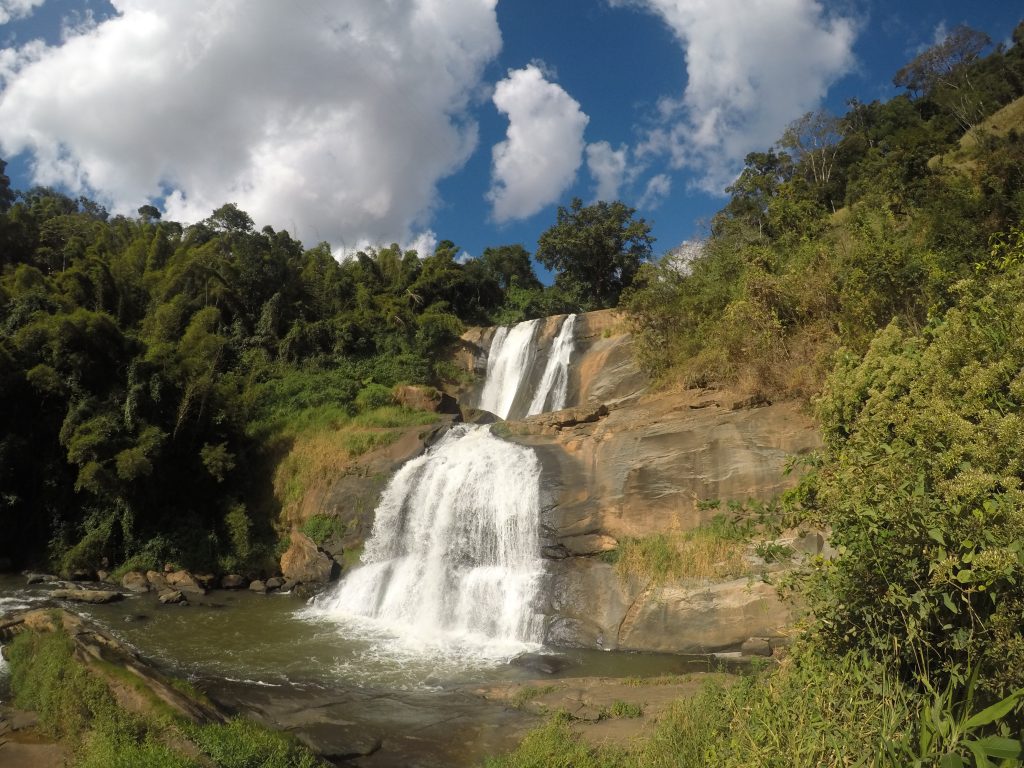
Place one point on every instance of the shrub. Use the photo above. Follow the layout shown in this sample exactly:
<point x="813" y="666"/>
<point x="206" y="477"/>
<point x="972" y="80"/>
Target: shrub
<point x="374" y="396"/>
<point x="321" y="528"/>
<point x="922" y="482"/>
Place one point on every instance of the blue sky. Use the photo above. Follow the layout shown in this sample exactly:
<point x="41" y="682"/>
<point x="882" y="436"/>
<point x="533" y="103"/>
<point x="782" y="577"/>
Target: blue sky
<point x="364" y="121"/>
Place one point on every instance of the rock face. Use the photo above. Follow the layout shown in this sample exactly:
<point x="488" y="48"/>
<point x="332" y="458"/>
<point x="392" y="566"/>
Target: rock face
<point x="644" y="468"/>
<point x="306" y="563"/>
<point x="640" y="469"/>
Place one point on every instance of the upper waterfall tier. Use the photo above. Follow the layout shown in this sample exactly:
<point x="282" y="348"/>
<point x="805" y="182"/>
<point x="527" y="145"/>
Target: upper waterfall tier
<point x="453" y="560"/>
<point x="526" y="375"/>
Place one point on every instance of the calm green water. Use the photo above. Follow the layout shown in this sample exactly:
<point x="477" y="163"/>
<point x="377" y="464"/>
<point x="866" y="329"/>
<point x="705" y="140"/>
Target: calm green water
<point x="273" y="640"/>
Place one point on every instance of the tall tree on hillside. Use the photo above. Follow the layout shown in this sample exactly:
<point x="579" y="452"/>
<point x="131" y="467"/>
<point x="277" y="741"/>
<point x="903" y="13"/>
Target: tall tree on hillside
<point x="942" y="74"/>
<point x="596" y="250"/>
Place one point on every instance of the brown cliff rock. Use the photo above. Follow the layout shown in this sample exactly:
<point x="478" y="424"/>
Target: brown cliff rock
<point x="306" y="563"/>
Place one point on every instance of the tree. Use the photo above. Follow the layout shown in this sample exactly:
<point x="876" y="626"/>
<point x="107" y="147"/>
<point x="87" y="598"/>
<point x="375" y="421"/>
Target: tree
<point x="815" y="140"/>
<point x="942" y="73"/>
<point x="149" y="213"/>
<point x="940" y="63"/>
<point x="6" y="193"/>
<point x="508" y="264"/>
<point x="596" y="250"/>
<point x="763" y="173"/>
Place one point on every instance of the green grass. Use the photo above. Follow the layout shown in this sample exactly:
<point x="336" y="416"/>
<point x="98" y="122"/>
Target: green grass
<point x="713" y="551"/>
<point x="528" y="693"/>
<point x="640" y="682"/>
<point x="809" y="713"/>
<point x="244" y="744"/>
<point x="75" y="705"/>
<point x="556" y="744"/>
<point x="622" y="709"/>
<point x="394" y="416"/>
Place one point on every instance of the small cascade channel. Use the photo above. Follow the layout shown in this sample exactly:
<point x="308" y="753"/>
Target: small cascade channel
<point x="515" y="385"/>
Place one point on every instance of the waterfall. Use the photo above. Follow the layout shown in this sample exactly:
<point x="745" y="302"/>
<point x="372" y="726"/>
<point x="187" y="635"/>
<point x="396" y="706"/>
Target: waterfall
<point x="511" y="388"/>
<point x="453" y="558"/>
<point x="508" y="364"/>
<point x="554" y="384"/>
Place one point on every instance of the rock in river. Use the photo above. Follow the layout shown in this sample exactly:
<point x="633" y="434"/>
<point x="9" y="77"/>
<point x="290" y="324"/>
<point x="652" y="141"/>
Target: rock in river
<point x="94" y="596"/>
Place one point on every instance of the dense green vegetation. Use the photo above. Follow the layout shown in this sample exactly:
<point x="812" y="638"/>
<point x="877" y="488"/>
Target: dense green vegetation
<point x="873" y="265"/>
<point x="150" y="371"/>
<point x="75" y="704"/>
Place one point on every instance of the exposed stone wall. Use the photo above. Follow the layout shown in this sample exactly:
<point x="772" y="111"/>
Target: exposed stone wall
<point x="640" y="468"/>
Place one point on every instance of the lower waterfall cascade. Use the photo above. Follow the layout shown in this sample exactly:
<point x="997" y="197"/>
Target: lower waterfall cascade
<point x="453" y="560"/>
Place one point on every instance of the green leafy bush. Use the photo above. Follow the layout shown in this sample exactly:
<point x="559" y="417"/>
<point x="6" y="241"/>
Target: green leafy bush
<point x="374" y="396"/>
<point x="321" y="528"/>
<point x="922" y="482"/>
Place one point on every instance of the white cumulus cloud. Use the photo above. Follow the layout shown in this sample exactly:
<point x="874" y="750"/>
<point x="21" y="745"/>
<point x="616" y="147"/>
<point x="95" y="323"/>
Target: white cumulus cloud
<point x="658" y="188"/>
<point x="607" y="166"/>
<point x="543" y="147"/>
<point x="17" y="9"/>
<point x="752" y="67"/>
<point x="332" y="120"/>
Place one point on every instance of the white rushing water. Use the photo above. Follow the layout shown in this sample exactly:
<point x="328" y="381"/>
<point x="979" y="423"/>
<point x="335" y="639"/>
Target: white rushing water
<point x="554" y="384"/>
<point x="452" y="563"/>
<point x="508" y="364"/>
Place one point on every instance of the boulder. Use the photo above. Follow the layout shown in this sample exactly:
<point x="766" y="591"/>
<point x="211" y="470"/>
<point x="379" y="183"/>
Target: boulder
<point x="233" y="581"/>
<point x="305" y="591"/>
<point x="93" y="596"/>
<point x="554" y="552"/>
<point x="543" y="663"/>
<point x="712" y="618"/>
<point x="756" y="646"/>
<point x="207" y="581"/>
<point x="135" y="581"/>
<point x="275" y="582"/>
<point x="589" y="605"/>
<point x="258" y="586"/>
<point x="171" y="597"/>
<point x="102" y="575"/>
<point x="38" y="578"/>
<point x="307" y="563"/>
<point x="477" y="416"/>
<point x="185" y="582"/>
<point x="422" y="398"/>
<point x="156" y="580"/>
